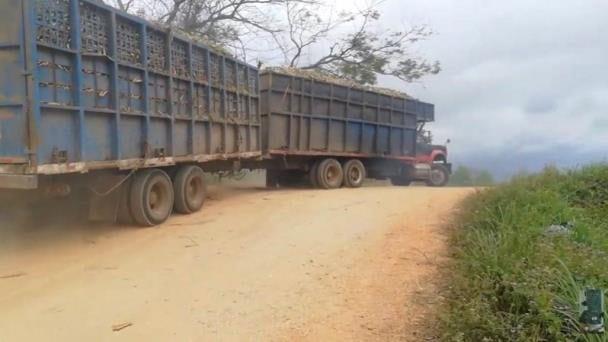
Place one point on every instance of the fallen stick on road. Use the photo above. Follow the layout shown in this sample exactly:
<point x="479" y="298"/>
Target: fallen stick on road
<point x="119" y="327"/>
<point x="13" y="275"/>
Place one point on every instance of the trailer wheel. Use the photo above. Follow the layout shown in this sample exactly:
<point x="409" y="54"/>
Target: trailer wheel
<point x="312" y="174"/>
<point x="354" y="173"/>
<point x="151" y="197"/>
<point x="439" y="176"/>
<point x="189" y="188"/>
<point x="330" y="174"/>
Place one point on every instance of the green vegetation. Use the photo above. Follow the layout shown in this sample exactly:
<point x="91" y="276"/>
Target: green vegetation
<point x="465" y="176"/>
<point x="516" y="280"/>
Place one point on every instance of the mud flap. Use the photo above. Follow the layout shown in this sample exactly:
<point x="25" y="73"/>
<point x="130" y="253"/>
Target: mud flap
<point x="103" y="206"/>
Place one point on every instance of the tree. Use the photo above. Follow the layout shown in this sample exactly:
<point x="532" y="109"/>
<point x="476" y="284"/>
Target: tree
<point x="462" y="177"/>
<point x="484" y="178"/>
<point x="223" y="23"/>
<point x="310" y="34"/>
<point x="359" y="54"/>
<point x="465" y="176"/>
<point x="123" y="5"/>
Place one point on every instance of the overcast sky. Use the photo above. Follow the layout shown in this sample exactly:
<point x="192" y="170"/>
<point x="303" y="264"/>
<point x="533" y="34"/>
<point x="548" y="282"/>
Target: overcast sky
<point x="524" y="83"/>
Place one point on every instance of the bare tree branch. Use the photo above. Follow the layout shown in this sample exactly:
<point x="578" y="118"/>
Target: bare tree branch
<point x="309" y="34"/>
<point x="361" y="54"/>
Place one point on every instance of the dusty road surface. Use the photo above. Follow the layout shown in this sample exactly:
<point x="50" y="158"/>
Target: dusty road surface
<point x="255" y="264"/>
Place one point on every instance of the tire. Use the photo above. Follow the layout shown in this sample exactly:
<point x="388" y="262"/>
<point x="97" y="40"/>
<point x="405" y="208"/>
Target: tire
<point x="401" y="181"/>
<point x="151" y="197"/>
<point x="330" y="174"/>
<point x="312" y="174"/>
<point x="354" y="173"/>
<point x="439" y="176"/>
<point x="190" y="189"/>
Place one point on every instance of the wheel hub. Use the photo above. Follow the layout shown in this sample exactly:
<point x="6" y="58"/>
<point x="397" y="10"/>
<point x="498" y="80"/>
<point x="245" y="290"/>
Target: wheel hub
<point x="156" y="197"/>
<point x="331" y="174"/>
<point x="355" y="175"/>
<point x="437" y="177"/>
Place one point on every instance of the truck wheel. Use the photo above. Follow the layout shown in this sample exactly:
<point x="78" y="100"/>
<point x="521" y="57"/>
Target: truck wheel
<point x="439" y="176"/>
<point x="312" y="174"/>
<point x="330" y="174"/>
<point x="189" y="188"/>
<point x="401" y="181"/>
<point x="354" y="173"/>
<point x="151" y="197"/>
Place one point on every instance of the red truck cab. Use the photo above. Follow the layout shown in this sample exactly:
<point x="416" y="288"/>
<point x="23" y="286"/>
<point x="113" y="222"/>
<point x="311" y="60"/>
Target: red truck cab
<point x="432" y="164"/>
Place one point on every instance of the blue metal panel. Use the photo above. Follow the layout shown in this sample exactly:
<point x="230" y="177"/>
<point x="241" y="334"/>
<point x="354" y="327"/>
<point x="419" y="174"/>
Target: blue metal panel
<point x="14" y="144"/>
<point x="146" y="96"/>
<point x="78" y="76"/>
<point x="209" y="84"/>
<point x="116" y="136"/>
<point x="191" y="131"/>
<point x="172" y="111"/>
<point x="59" y="132"/>
<point x="181" y="143"/>
<point x="223" y="109"/>
<point x="81" y="81"/>
<point x="99" y="143"/>
<point x="333" y="119"/>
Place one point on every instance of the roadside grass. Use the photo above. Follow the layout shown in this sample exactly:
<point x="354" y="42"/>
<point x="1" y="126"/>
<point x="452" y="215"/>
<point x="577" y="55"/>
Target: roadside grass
<point x="512" y="280"/>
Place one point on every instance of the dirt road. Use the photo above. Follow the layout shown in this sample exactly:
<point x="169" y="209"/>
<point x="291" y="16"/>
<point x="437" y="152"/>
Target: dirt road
<point x="253" y="265"/>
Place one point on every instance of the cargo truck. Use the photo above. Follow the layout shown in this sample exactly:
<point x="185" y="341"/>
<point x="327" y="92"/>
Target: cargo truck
<point x="96" y="102"/>
<point x="432" y="166"/>
<point x="334" y="132"/>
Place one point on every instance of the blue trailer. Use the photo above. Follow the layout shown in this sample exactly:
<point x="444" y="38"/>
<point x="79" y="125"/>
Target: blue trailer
<point x="336" y="133"/>
<point x="95" y="101"/>
<point x="85" y="87"/>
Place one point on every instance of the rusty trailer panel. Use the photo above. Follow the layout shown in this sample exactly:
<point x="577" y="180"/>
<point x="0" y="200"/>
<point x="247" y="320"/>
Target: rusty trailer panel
<point x="301" y="116"/>
<point x="85" y="86"/>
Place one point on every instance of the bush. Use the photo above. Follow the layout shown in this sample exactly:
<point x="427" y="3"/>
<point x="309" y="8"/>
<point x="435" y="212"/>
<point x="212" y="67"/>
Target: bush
<point x="513" y="280"/>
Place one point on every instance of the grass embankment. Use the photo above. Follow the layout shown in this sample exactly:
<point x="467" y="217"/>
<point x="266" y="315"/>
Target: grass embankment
<point x="514" y="281"/>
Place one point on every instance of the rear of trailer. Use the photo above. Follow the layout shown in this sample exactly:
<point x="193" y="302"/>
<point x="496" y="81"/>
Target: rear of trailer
<point x="319" y="126"/>
<point x="85" y="87"/>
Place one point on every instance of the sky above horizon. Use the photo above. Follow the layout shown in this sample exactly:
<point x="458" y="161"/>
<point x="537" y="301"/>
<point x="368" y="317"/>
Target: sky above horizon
<point x="524" y="83"/>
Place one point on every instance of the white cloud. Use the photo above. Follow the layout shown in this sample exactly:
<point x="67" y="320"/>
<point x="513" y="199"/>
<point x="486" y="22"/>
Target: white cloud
<point x="520" y="78"/>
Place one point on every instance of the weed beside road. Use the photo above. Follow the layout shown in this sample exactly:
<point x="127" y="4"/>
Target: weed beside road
<point x="515" y="277"/>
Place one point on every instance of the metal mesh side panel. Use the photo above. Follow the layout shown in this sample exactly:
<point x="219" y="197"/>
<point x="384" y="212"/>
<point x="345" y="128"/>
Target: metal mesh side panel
<point x="158" y="95"/>
<point x="156" y="43"/>
<point x="200" y="101"/>
<point x="243" y="81"/>
<point x="253" y="82"/>
<point x="128" y="42"/>
<point x="231" y="75"/>
<point x="232" y="105"/>
<point x="199" y="65"/>
<point x="131" y="90"/>
<point x="215" y="65"/>
<point x="179" y="59"/>
<point x="53" y="23"/>
<point x="95" y="28"/>
<point x="181" y="98"/>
